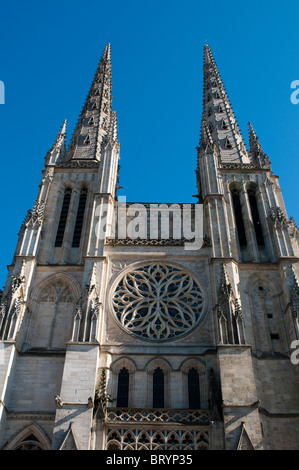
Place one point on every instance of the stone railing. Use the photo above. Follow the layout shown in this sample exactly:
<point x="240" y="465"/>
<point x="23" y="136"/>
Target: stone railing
<point x="151" y="416"/>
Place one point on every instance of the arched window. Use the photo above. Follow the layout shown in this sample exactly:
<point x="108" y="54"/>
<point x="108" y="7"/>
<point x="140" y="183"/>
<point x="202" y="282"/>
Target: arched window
<point x="158" y="388"/>
<point x="228" y="144"/>
<point x="63" y="217"/>
<point x="193" y="389"/>
<point x="255" y="217"/>
<point x="32" y="437"/>
<point x="123" y="388"/>
<point x="30" y="443"/>
<point x="79" y="219"/>
<point x="239" y="217"/>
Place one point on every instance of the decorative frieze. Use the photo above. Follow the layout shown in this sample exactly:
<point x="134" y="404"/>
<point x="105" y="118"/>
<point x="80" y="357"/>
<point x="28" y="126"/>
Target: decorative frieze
<point x="78" y="164"/>
<point x="146" y="242"/>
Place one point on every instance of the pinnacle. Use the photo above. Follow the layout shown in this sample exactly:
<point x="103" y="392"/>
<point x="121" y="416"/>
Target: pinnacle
<point x="253" y="139"/>
<point x="251" y="130"/>
<point x="107" y="52"/>
<point x="208" y="56"/>
<point x="63" y="127"/>
<point x="255" y="147"/>
<point x="207" y="49"/>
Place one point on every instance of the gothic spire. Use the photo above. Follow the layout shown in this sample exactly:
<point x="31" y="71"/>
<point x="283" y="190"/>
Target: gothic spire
<point x="93" y="122"/>
<point x="257" y="154"/>
<point x="219" y="115"/>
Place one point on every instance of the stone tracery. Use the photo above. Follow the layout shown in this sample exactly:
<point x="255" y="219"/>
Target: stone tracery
<point x="158" y="302"/>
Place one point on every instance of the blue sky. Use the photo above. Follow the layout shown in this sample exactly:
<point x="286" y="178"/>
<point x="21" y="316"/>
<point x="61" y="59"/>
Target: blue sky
<point x="50" y="51"/>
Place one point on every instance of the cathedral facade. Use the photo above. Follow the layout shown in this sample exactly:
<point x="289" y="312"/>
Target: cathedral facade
<point x="120" y="331"/>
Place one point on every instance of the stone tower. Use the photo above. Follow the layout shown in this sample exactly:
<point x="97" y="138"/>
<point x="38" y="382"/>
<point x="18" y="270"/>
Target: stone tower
<point x="116" y="332"/>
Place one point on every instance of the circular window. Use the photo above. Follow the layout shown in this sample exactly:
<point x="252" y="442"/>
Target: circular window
<point x="158" y="302"/>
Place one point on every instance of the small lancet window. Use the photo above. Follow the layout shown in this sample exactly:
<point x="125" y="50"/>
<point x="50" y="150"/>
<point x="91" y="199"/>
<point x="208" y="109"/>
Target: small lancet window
<point x="79" y="219"/>
<point x="228" y="144"/>
<point x="63" y="217"/>
<point x="239" y="217"/>
<point x="209" y="112"/>
<point x="123" y="389"/>
<point x="256" y="218"/>
<point x="217" y="94"/>
<point x="193" y="389"/>
<point x="94" y="106"/>
<point x="220" y="109"/>
<point x="158" y="388"/>
<point x="97" y="92"/>
<point x="91" y="121"/>
<point x="223" y="124"/>
<point x="87" y="140"/>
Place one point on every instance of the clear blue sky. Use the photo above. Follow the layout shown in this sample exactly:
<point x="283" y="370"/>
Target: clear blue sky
<point x="50" y="51"/>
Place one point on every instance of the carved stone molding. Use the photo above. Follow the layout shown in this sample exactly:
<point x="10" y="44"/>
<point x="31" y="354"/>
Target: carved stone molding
<point x="147" y="242"/>
<point x="78" y="164"/>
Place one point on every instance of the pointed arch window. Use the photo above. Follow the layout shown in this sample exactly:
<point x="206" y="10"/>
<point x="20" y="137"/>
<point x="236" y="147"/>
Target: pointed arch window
<point x="63" y="217"/>
<point x="158" y="388"/>
<point x="30" y="443"/>
<point x="193" y="389"/>
<point x="239" y="217"/>
<point x="87" y="140"/>
<point x="123" y="388"/>
<point x="223" y="124"/>
<point x="228" y="144"/>
<point x="255" y="217"/>
<point x="79" y="219"/>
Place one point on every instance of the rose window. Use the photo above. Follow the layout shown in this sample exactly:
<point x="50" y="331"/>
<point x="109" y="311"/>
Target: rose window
<point x="158" y="302"/>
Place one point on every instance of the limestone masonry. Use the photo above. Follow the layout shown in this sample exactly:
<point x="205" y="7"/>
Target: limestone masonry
<point x="122" y="341"/>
